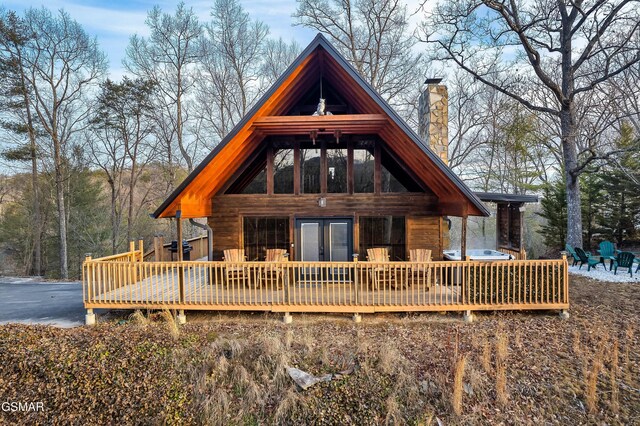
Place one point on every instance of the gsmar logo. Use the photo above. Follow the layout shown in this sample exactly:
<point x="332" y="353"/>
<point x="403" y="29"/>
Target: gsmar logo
<point x="21" y="406"/>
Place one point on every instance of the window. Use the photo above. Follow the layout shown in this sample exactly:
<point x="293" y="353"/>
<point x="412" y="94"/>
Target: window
<point x="262" y="233"/>
<point x="283" y="171"/>
<point x="336" y="170"/>
<point x="390" y="183"/>
<point x="383" y="231"/>
<point x="310" y="171"/>
<point x="363" y="170"/>
<point x="257" y="185"/>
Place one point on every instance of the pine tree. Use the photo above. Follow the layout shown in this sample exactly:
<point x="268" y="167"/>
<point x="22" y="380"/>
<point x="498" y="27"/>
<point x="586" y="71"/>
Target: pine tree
<point x="554" y="210"/>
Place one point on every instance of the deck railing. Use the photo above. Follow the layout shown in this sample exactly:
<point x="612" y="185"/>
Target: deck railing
<point x="325" y="286"/>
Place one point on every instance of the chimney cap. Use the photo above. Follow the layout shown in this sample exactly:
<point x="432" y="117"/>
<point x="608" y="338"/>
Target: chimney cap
<point x="433" y="80"/>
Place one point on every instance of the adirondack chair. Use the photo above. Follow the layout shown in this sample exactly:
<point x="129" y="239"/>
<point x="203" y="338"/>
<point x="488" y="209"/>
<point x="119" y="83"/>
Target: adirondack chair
<point x="420" y="274"/>
<point x="272" y="272"/>
<point x="624" y="260"/>
<point x="607" y="252"/>
<point x="573" y="254"/>
<point x="584" y="259"/>
<point x="380" y="275"/>
<point x="235" y="274"/>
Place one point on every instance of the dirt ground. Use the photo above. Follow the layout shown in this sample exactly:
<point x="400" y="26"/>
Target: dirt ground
<point x="505" y="368"/>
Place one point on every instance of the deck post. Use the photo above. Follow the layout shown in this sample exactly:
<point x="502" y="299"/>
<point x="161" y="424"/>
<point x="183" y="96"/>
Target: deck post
<point x="90" y="317"/>
<point x="287" y="318"/>
<point x="180" y="257"/>
<point x="181" y="317"/>
<point x="87" y="277"/>
<point x="468" y="317"/>
<point x="158" y="247"/>
<point x="463" y="239"/>
<point x="357" y="318"/>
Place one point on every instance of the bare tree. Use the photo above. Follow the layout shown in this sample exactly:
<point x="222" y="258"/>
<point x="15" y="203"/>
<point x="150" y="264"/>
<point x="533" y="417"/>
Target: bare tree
<point x="63" y="63"/>
<point x="167" y="58"/>
<point x="277" y="56"/>
<point x="375" y="37"/>
<point x="230" y="72"/>
<point x="566" y="48"/>
<point x="123" y="145"/>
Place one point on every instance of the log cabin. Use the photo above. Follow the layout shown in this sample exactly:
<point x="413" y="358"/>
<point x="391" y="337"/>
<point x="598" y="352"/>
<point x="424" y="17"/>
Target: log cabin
<point x="323" y="167"/>
<point x="323" y="170"/>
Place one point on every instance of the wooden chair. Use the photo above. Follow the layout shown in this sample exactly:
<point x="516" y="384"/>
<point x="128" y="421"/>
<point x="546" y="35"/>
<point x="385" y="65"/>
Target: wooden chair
<point x="378" y="254"/>
<point x="419" y="255"/>
<point x="235" y="274"/>
<point x="420" y="274"/>
<point x="380" y="275"/>
<point x="273" y="273"/>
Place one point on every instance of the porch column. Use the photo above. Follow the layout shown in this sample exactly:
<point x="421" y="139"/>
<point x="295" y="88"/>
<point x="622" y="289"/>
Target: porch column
<point x="180" y="258"/>
<point x="463" y="239"/>
<point x="179" y="233"/>
<point x="158" y="247"/>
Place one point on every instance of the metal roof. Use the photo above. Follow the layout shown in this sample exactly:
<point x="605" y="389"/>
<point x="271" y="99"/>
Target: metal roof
<point x="497" y="197"/>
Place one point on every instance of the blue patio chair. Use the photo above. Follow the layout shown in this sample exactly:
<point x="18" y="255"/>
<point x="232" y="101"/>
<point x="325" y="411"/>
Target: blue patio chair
<point x="607" y="252"/>
<point x="624" y="260"/>
<point x="586" y="260"/>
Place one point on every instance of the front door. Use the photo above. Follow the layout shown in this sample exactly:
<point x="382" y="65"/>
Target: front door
<point x="329" y="239"/>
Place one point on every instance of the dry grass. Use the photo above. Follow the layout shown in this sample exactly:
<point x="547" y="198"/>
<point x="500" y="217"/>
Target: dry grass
<point x="519" y="368"/>
<point x="171" y="323"/>
<point x="613" y="380"/>
<point x="591" y="391"/>
<point x="486" y="357"/>
<point x="137" y="317"/>
<point x="458" y="382"/>
<point x="502" y="351"/>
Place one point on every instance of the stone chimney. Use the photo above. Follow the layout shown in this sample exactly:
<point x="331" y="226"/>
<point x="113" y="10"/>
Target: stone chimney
<point x="433" y="117"/>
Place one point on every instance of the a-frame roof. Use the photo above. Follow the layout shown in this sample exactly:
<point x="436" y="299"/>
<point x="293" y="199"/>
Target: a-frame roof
<point x="193" y="195"/>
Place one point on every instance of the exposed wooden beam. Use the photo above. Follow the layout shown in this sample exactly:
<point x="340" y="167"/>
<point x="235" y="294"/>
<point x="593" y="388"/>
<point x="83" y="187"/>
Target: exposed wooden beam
<point x="303" y="124"/>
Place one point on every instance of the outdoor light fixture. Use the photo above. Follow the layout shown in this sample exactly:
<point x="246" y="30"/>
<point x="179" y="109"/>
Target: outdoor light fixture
<point x="313" y="134"/>
<point x="322" y="202"/>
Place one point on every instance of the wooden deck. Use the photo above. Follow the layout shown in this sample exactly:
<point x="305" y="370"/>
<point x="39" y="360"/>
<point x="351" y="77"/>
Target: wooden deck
<point x="125" y="281"/>
<point x="198" y="289"/>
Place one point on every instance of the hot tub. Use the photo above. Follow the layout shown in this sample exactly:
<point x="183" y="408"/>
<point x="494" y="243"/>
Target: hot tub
<point x="478" y="254"/>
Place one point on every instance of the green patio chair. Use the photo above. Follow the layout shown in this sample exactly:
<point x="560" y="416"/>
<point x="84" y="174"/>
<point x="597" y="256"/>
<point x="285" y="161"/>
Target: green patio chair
<point x="624" y="260"/>
<point x="584" y="259"/>
<point x="637" y="260"/>
<point x="607" y="252"/>
<point x="573" y="254"/>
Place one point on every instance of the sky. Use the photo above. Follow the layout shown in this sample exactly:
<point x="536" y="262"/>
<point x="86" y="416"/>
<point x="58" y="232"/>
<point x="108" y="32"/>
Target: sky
<point x="113" y="22"/>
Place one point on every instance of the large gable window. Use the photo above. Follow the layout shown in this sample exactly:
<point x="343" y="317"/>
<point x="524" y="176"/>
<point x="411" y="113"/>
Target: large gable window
<point x="360" y="166"/>
<point x="310" y="164"/>
<point x="283" y="172"/>
<point x="337" y="170"/>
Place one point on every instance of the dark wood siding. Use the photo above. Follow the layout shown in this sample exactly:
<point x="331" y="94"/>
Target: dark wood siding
<point x="419" y="209"/>
<point x="227" y="233"/>
<point x="427" y="232"/>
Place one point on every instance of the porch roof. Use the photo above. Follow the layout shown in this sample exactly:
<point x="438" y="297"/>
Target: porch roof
<point x="497" y="197"/>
